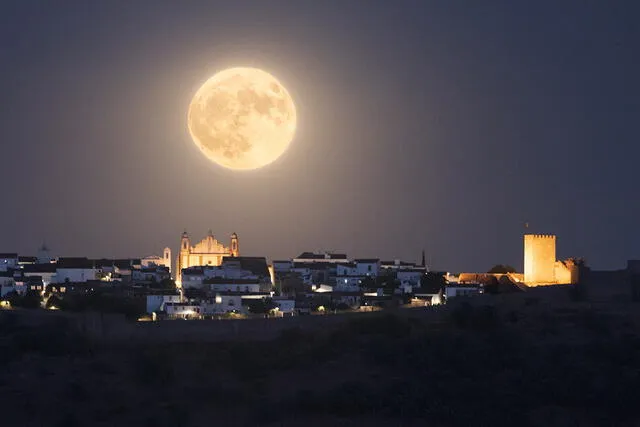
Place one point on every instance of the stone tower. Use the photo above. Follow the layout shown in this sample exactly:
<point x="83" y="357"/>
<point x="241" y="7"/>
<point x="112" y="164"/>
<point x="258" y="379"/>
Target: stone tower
<point x="539" y="259"/>
<point x="235" y="247"/>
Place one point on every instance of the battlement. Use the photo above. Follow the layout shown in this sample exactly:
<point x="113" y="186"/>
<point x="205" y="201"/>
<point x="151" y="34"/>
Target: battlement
<point x="539" y="236"/>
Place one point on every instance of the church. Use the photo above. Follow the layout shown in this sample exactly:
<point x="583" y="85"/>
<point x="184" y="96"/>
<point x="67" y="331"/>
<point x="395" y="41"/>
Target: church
<point x="207" y="251"/>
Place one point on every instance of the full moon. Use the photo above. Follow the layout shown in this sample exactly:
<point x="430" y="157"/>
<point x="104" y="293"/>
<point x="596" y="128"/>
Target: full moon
<point x="242" y="118"/>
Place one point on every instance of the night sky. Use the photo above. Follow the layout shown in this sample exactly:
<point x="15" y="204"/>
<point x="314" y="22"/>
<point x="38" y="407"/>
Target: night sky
<point x="441" y="125"/>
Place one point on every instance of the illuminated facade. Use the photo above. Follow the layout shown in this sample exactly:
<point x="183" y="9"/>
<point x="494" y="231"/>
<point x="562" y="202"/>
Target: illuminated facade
<point x="208" y="251"/>
<point x="539" y="259"/>
<point x="540" y="265"/>
<point x="164" y="260"/>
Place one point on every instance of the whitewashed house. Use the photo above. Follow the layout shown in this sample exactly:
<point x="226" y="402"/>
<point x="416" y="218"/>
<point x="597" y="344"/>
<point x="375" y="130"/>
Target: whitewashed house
<point x="155" y="302"/>
<point x="45" y="271"/>
<point x="367" y="267"/>
<point x="75" y="270"/>
<point x="348" y="278"/>
<point x="409" y="279"/>
<point x="220" y="284"/>
<point x="454" y="291"/>
<point x="182" y="310"/>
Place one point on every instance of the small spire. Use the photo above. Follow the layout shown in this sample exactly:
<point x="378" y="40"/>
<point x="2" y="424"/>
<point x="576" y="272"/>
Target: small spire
<point x="424" y="261"/>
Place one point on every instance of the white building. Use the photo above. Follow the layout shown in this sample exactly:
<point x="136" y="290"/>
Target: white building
<point x="75" y="270"/>
<point x="182" y="310"/>
<point x="155" y="260"/>
<point x="367" y="267"/>
<point x="227" y="302"/>
<point x="282" y="266"/>
<point x="156" y="302"/>
<point x="409" y="279"/>
<point x="45" y="271"/>
<point x="348" y="277"/>
<point x="310" y="257"/>
<point x="153" y="273"/>
<point x="192" y="277"/>
<point x="220" y="284"/>
<point x="453" y="291"/>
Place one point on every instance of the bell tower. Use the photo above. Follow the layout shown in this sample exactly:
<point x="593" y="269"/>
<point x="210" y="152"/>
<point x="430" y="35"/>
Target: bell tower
<point x="235" y="247"/>
<point x="182" y="259"/>
<point x="166" y="258"/>
<point x="185" y="243"/>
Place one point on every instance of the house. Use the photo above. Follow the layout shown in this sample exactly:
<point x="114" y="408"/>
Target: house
<point x="458" y="290"/>
<point x="401" y="265"/>
<point x="221" y="284"/>
<point x="409" y="279"/>
<point x="47" y="272"/>
<point x="227" y="302"/>
<point x="151" y="274"/>
<point x="75" y="270"/>
<point x="8" y="261"/>
<point x="181" y="310"/>
<point x="256" y="265"/>
<point x="192" y="277"/>
<point x="156" y="301"/>
<point x="310" y="257"/>
<point x="367" y="266"/>
<point x="348" y="277"/>
<point x="24" y="284"/>
<point x="282" y="266"/>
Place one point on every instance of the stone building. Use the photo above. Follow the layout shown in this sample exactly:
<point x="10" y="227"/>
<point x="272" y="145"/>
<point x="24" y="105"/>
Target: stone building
<point x="540" y="264"/>
<point x="207" y="252"/>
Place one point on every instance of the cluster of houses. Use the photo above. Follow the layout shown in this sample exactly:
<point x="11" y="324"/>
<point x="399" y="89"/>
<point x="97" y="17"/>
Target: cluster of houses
<point x="309" y="283"/>
<point x="22" y="274"/>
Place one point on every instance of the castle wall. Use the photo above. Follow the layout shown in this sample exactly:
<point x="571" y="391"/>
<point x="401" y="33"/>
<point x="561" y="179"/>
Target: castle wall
<point x="539" y="259"/>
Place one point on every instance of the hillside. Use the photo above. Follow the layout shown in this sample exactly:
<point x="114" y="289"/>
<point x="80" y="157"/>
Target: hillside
<point x="526" y="361"/>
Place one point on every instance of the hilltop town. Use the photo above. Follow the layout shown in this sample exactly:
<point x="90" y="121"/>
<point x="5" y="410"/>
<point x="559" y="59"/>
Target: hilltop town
<point x="213" y="281"/>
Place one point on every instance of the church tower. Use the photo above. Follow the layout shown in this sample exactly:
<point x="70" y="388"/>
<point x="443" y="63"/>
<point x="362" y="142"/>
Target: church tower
<point x="182" y="260"/>
<point x="166" y="258"/>
<point x="235" y="248"/>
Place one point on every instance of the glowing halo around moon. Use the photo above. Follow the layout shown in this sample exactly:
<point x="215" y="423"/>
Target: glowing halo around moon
<point x="242" y="118"/>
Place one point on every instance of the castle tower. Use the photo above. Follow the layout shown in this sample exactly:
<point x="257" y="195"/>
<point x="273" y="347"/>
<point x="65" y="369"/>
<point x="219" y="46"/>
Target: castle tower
<point x="235" y="247"/>
<point x="539" y="259"/>
<point x="166" y="258"/>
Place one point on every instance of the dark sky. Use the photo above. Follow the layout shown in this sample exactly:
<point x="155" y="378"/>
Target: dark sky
<point x="442" y="125"/>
